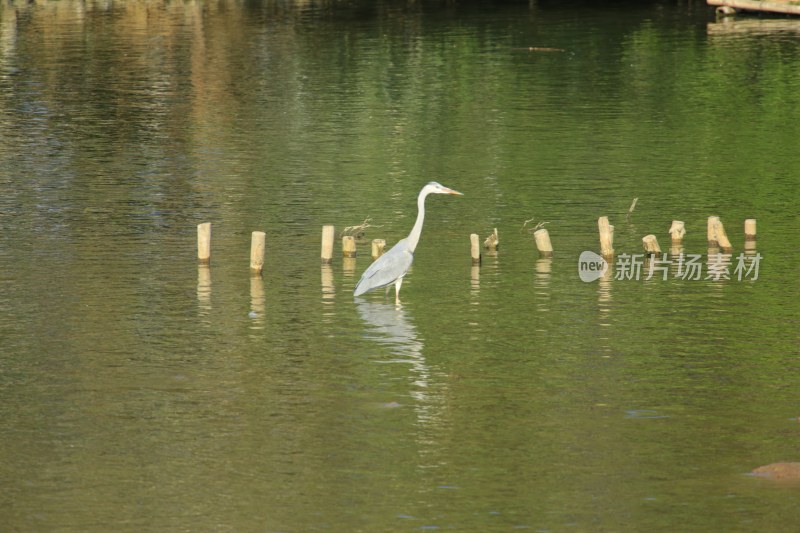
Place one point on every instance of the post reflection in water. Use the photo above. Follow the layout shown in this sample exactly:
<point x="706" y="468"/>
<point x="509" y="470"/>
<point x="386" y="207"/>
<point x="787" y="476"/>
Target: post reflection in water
<point x="474" y="280"/>
<point x="328" y="294"/>
<point x="258" y="302"/>
<point x="489" y="269"/>
<point x="203" y="289"/>
<point x="349" y="266"/>
<point x="604" y="284"/>
<point x="544" y="271"/>
<point x="606" y="341"/>
<point x="389" y="326"/>
<point x="718" y="270"/>
<point x="675" y="250"/>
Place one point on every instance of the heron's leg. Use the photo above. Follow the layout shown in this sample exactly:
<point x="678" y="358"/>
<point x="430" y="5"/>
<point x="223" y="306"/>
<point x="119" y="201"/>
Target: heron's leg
<point x="397" y="284"/>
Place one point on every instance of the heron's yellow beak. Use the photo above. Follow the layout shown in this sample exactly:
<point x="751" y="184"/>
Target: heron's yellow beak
<point x="451" y="191"/>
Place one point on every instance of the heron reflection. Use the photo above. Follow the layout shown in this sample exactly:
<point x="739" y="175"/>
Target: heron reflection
<point x="389" y="325"/>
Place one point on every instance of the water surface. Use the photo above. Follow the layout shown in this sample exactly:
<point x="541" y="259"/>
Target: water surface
<point x="139" y="392"/>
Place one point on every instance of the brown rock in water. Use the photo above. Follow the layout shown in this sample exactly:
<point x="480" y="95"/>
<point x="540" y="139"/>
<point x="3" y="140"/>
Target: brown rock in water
<point x="779" y="471"/>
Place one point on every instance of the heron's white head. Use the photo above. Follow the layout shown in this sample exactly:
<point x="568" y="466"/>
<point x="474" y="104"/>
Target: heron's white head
<point x="437" y="188"/>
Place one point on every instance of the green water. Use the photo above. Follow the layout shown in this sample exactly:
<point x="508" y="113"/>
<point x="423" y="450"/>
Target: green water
<point x="139" y="392"/>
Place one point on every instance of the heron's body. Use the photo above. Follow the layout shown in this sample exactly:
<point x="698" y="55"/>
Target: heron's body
<point x="394" y="264"/>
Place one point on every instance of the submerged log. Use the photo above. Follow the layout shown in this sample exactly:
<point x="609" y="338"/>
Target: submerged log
<point x="540" y="49"/>
<point x="788" y="7"/>
<point x="779" y="471"/>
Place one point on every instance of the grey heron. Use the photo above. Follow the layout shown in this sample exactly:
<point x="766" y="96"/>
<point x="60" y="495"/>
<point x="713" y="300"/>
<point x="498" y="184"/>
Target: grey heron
<point x="394" y="264"/>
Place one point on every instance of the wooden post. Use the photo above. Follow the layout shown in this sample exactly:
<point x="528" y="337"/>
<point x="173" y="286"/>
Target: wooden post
<point x="377" y="248"/>
<point x="650" y="244"/>
<point x="492" y="242"/>
<point x="327" y="245"/>
<point x="349" y="246"/>
<point x="475" y="248"/>
<point x="722" y="238"/>
<point x="542" y="238"/>
<point x="717" y="236"/>
<point x="711" y="233"/>
<point x="750" y="229"/>
<point x="204" y="243"/>
<point x="606" y="237"/>
<point x="257" y="246"/>
<point x="677" y="231"/>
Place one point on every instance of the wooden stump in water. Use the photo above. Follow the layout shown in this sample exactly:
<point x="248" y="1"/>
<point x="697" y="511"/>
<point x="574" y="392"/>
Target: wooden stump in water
<point x="750" y="229"/>
<point x="204" y="243"/>
<point x="377" y="248"/>
<point x="650" y="244"/>
<point x="475" y="248"/>
<point x="327" y="244"/>
<point x="492" y="242"/>
<point x="606" y="237"/>
<point x="677" y="231"/>
<point x="717" y="238"/>
<point x="349" y="246"/>
<point x="542" y="238"/>
<point x="257" y="247"/>
<point x="711" y="232"/>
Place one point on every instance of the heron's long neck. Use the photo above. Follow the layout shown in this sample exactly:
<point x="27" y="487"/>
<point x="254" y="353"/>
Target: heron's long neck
<point x="416" y="231"/>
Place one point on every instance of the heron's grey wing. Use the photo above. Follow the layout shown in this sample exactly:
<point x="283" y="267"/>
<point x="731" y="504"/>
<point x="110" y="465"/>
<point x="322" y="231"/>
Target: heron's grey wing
<point x="386" y="269"/>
